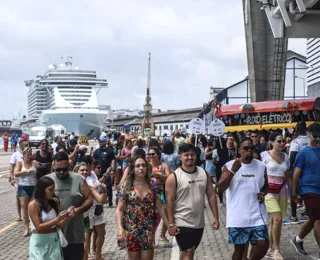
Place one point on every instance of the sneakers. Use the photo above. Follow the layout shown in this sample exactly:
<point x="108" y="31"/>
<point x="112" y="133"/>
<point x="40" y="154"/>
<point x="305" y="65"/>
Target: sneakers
<point x="291" y="221"/>
<point x="298" y="247"/>
<point x="277" y="255"/>
<point x="304" y="219"/>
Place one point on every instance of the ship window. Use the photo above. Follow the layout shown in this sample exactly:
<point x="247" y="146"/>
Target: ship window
<point x="81" y="116"/>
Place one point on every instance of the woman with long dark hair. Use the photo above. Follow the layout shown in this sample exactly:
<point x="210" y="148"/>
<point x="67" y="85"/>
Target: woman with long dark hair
<point x="138" y="200"/>
<point x="278" y="166"/>
<point x="27" y="172"/>
<point x="45" y="218"/>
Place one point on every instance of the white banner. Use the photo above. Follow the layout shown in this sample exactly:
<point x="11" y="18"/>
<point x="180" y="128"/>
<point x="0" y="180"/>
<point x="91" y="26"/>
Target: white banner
<point x="197" y="126"/>
<point x="217" y="127"/>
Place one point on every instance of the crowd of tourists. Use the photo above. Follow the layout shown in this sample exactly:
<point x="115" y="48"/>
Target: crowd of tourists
<point x="64" y="190"/>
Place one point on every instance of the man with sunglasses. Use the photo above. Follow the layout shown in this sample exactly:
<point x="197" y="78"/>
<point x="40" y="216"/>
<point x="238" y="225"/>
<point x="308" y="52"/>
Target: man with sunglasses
<point x="43" y="158"/>
<point x="256" y="142"/>
<point x="307" y="175"/>
<point x="75" y="197"/>
<point x="185" y="192"/>
<point x="245" y="182"/>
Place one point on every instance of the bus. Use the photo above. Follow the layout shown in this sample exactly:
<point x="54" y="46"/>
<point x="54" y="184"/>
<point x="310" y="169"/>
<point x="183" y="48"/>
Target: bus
<point x="269" y="115"/>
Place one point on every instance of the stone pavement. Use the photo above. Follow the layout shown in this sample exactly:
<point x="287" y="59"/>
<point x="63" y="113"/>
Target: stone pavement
<point x="214" y="244"/>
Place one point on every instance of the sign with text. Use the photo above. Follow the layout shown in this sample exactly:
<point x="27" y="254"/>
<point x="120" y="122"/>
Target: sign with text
<point x="217" y="127"/>
<point x="197" y="126"/>
<point x="270" y="118"/>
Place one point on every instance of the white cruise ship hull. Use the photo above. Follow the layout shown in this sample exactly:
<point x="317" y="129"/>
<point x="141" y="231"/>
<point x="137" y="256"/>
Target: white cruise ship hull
<point x="80" y="121"/>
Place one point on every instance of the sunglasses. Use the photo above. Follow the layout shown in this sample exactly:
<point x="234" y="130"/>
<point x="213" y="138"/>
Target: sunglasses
<point x="151" y="154"/>
<point x="62" y="169"/>
<point x="44" y="144"/>
<point x="254" y="136"/>
<point x="99" y="168"/>
<point x="280" y="141"/>
<point x="247" y="148"/>
<point x="143" y="165"/>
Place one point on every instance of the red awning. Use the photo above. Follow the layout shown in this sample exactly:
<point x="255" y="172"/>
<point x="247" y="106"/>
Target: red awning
<point x="270" y="106"/>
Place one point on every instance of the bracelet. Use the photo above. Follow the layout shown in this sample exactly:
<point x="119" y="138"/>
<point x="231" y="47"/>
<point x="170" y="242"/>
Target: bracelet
<point x="120" y="228"/>
<point x="172" y="225"/>
<point x="232" y="172"/>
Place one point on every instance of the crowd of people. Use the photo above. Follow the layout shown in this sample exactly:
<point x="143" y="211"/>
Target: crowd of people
<point x="61" y="192"/>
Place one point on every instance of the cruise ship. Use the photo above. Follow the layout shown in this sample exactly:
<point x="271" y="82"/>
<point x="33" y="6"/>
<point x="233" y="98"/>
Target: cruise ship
<point x="67" y="95"/>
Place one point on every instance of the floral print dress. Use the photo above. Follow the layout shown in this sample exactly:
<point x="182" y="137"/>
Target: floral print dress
<point x="137" y="220"/>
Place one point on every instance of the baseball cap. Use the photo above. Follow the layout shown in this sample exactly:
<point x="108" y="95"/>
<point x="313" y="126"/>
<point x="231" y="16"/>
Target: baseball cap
<point x="314" y="128"/>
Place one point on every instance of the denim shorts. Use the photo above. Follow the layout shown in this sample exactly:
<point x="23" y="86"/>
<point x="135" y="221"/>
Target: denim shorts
<point x="25" y="191"/>
<point x="125" y="163"/>
<point x="241" y="236"/>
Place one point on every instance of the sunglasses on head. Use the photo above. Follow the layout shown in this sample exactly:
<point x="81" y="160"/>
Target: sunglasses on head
<point x="62" y="169"/>
<point x="247" y="148"/>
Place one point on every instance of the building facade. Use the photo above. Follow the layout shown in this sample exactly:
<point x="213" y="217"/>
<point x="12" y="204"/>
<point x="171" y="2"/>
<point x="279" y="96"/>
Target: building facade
<point x="295" y="84"/>
<point x="313" y="67"/>
<point x="164" y="122"/>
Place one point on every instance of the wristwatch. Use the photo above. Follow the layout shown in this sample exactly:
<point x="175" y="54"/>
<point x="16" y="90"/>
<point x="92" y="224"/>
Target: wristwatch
<point x="172" y="225"/>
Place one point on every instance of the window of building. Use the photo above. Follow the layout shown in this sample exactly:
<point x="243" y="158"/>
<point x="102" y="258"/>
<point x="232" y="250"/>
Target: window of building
<point x="176" y="127"/>
<point x="160" y="128"/>
<point x="165" y="127"/>
<point x="155" y="127"/>
<point x="171" y="127"/>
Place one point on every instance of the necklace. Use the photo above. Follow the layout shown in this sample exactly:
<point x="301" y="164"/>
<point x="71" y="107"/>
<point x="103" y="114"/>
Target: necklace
<point x="138" y="183"/>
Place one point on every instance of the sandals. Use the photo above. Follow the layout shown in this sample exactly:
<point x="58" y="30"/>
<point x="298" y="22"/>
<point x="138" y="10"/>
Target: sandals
<point x="19" y="219"/>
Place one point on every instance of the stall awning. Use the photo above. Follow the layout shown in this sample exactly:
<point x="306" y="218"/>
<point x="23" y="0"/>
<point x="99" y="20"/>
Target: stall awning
<point x="271" y="106"/>
<point x="240" y="128"/>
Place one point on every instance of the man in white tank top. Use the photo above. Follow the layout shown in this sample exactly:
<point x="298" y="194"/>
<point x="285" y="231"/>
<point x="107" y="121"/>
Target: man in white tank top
<point x="186" y="189"/>
<point x="245" y="182"/>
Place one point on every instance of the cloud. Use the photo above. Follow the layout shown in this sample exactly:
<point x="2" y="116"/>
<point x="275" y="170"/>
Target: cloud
<point x="194" y="45"/>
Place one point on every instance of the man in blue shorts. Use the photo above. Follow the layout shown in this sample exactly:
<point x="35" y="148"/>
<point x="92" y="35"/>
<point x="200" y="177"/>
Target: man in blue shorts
<point x="245" y="182"/>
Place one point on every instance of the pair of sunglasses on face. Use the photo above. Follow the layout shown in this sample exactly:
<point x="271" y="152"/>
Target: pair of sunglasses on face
<point x="61" y="169"/>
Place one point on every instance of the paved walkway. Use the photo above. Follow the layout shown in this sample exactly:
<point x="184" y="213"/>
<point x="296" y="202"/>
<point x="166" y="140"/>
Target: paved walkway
<point x="213" y="245"/>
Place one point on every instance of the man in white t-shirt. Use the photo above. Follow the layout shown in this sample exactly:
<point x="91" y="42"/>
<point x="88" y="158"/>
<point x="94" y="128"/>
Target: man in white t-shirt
<point x="245" y="182"/>
<point x="16" y="157"/>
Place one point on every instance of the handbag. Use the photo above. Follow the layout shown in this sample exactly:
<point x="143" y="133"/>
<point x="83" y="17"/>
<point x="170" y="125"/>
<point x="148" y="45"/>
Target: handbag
<point x="98" y="210"/>
<point x="63" y="241"/>
<point x="275" y="187"/>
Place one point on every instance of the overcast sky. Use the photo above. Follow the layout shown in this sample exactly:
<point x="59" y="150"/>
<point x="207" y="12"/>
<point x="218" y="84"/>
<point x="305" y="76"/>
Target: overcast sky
<point x="194" y="45"/>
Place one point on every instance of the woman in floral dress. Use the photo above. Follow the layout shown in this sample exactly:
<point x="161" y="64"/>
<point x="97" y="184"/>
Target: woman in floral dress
<point x="138" y="200"/>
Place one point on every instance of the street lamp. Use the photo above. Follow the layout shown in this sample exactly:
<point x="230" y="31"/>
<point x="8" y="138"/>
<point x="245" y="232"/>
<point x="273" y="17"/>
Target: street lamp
<point x="304" y="85"/>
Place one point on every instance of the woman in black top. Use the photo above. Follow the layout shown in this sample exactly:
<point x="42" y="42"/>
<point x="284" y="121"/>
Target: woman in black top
<point x="43" y="157"/>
